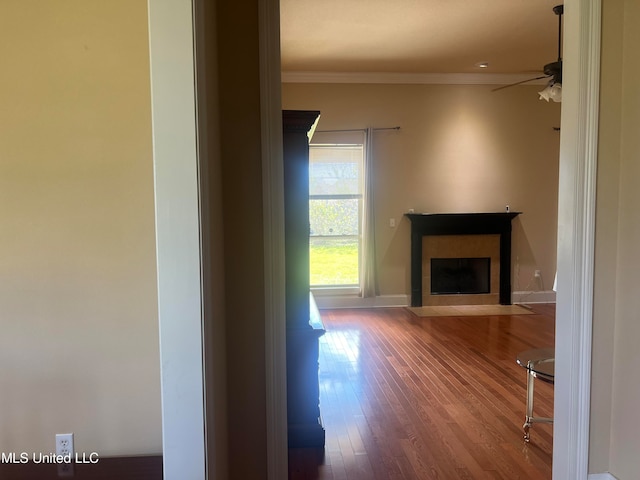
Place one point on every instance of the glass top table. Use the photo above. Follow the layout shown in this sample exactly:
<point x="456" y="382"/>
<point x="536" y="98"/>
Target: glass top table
<point x="539" y="363"/>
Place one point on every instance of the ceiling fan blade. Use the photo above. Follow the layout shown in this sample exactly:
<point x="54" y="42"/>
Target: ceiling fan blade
<point x="518" y="83"/>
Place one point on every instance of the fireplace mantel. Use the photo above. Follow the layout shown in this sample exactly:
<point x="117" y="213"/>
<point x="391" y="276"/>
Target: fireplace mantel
<point x="461" y="224"/>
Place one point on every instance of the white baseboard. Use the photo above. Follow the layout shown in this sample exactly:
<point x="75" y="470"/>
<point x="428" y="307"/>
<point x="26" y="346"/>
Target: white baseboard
<point x="547" y="296"/>
<point x="354" y="301"/>
<point x="601" y="476"/>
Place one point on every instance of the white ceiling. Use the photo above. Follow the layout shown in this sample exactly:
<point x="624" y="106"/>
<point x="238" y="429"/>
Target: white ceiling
<point x="418" y="36"/>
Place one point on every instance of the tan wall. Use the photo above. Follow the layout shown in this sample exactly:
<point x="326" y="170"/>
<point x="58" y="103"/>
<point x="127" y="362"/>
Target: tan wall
<point x="242" y="200"/>
<point x="625" y="440"/>
<point x="78" y="306"/>
<point x="459" y="149"/>
<point x="615" y="390"/>
<point x="213" y="252"/>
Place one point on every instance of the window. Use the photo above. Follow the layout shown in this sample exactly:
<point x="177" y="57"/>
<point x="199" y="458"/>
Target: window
<point x="335" y="215"/>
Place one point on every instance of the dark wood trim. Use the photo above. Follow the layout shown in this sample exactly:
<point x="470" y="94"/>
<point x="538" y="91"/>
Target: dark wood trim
<point x="423" y="224"/>
<point x="145" y="467"/>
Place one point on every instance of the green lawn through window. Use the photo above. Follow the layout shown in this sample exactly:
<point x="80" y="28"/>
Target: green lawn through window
<point x="333" y="262"/>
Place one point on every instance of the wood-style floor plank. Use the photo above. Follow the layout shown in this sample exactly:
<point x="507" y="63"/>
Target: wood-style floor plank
<point x="408" y="397"/>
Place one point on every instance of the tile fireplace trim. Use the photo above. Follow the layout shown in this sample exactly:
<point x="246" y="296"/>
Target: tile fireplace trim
<point x="461" y="246"/>
<point x="423" y="224"/>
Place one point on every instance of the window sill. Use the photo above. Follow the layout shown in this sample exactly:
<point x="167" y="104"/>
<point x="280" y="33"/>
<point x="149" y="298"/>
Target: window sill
<point x="335" y="291"/>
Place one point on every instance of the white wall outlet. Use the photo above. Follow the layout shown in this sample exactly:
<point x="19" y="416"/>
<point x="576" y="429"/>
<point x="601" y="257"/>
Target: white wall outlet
<point x="392" y="222"/>
<point x="65" y="470"/>
<point x="536" y="274"/>
<point x="64" y="444"/>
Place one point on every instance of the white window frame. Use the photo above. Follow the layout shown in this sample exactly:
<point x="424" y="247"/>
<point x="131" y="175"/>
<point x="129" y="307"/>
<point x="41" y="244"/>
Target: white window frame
<point x="356" y="289"/>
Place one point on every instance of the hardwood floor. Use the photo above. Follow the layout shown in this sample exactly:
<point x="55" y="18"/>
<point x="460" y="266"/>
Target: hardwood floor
<point x="404" y="397"/>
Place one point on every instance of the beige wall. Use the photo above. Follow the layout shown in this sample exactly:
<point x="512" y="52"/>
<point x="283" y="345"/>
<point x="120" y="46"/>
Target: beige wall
<point x="625" y="421"/>
<point x="78" y="306"/>
<point x="242" y="211"/>
<point x="460" y="149"/>
<point x="615" y="423"/>
<point x="606" y="237"/>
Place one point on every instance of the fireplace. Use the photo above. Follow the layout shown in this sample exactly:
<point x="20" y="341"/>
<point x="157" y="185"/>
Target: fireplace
<point x="460" y="276"/>
<point x="459" y="247"/>
<point x="459" y="236"/>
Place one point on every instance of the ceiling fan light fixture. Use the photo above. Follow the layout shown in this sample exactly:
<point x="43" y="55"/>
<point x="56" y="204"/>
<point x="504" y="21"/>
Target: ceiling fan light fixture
<point x="553" y="91"/>
<point x="553" y="70"/>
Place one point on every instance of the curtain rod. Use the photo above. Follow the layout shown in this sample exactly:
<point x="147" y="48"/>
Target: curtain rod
<point x="357" y="130"/>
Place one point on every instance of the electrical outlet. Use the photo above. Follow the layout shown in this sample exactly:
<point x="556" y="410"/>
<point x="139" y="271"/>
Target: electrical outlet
<point x="65" y="470"/>
<point x="536" y="274"/>
<point x="64" y="444"/>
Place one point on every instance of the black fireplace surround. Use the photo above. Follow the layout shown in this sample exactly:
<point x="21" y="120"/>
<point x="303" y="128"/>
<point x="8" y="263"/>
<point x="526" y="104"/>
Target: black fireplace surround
<point x="423" y="224"/>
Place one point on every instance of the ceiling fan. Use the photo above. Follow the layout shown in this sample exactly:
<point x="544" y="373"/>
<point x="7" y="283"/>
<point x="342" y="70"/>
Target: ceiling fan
<point x="552" y="70"/>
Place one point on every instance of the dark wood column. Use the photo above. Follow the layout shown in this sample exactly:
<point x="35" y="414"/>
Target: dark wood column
<point x="461" y="224"/>
<point x="303" y="394"/>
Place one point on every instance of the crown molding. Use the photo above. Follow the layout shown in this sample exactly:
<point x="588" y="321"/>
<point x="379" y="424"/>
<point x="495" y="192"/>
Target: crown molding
<point x="411" y="78"/>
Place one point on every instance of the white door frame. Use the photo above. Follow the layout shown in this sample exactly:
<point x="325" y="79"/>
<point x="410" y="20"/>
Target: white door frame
<point x="172" y="34"/>
<point x="179" y="255"/>
<point x="576" y="234"/>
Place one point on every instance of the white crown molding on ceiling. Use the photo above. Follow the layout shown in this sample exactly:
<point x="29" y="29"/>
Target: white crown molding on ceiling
<point x="412" y="78"/>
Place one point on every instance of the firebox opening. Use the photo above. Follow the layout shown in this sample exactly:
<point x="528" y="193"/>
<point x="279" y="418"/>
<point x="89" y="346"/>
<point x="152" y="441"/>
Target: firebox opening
<point x="460" y="276"/>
